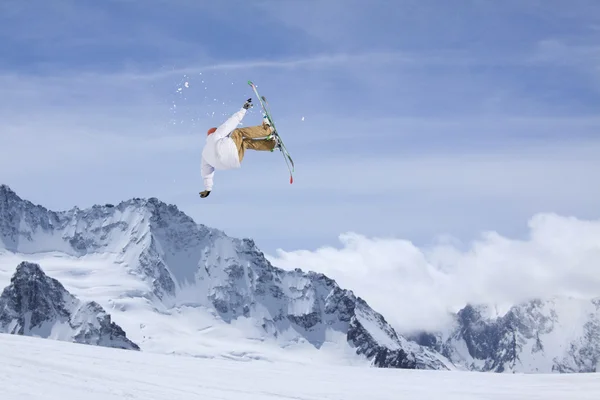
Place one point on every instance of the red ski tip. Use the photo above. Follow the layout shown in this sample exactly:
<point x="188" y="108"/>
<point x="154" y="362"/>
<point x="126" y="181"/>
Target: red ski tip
<point x="291" y="180"/>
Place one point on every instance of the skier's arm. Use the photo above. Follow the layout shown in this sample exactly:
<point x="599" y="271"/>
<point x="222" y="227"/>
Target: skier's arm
<point x="230" y="124"/>
<point x="208" y="172"/>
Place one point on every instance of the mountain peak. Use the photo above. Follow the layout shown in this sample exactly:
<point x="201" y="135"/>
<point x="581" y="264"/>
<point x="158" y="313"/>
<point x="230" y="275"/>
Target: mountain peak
<point x="8" y="199"/>
<point x="5" y="189"/>
<point x="29" y="269"/>
<point x="10" y="196"/>
<point x="35" y="304"/>
<point x="31" y="290"/>
<point x="34" y="288"/>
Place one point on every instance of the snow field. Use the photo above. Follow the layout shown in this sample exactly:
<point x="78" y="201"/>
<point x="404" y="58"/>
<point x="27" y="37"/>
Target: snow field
<point x="53" y="370"/>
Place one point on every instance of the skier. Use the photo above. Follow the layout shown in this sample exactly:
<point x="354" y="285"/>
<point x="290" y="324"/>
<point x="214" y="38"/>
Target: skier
<point x="225" y="145"/>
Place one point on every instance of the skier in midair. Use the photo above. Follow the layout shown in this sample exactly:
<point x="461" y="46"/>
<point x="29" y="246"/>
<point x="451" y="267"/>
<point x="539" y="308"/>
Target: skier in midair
<point x="225" y="145"/>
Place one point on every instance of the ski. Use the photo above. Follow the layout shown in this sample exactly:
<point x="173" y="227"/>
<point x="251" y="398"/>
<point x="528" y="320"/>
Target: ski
<point x="267" y="112"/>
<point x="266" y="105"/>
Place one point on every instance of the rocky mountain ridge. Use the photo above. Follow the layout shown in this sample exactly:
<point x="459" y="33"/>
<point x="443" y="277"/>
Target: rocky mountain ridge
<point x="183" y="263"/>
<point x="554" y="335"/>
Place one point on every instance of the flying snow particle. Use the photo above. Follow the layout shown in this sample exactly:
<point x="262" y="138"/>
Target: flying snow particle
<point x="302" y="118"/>
<point x="187" y="84"/>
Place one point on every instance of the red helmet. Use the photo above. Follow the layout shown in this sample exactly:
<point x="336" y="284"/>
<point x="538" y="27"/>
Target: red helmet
<point x="211" y="130"/>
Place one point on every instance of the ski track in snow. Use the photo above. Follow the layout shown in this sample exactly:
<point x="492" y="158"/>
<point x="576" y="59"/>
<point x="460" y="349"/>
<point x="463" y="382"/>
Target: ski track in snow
<point x="50" y="370"/>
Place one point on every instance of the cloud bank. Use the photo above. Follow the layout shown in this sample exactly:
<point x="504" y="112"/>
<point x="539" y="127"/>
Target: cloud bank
<point x="416" y="287"/>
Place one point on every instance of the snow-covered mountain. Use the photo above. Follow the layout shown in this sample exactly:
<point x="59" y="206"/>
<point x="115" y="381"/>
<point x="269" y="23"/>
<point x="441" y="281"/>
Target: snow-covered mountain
<point x="555" y="335"/>
<point x="179" y="287"/>
<point x="37" y="305"/>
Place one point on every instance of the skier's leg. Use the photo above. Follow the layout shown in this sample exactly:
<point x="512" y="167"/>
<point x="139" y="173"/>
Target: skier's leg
<point x="252" y="132"/>
<point x="238" y="139"/>
<point x="243" y="139"/>
<point x="260" y="145"/>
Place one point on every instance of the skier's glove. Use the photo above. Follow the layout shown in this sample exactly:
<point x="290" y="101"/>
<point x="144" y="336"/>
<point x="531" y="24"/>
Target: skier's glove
<point x="248" y="103"/>
<point x="205" y="193"/>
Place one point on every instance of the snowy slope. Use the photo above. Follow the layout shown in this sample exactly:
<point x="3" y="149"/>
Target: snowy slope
<point x="52" y="370"/>
<point x="555" y="335"/>
<point x="178" y="287"/>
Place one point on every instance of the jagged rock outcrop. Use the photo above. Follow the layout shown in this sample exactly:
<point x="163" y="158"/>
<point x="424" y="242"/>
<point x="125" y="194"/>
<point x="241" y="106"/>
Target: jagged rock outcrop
<point x="239" y="282"/>
<point x="556" y="335"/>
<point x="37" y="305"/>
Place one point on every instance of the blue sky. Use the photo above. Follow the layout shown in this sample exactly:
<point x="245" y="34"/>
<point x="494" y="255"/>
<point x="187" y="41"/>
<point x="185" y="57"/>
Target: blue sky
<point x="411" y="119"/>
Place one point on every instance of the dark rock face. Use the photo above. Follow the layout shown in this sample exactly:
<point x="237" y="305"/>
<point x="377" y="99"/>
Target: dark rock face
<point x="382" y="357"/>
<point x="528" y="338"/>
<point x="31" y="298"/>
<point x="482" y="338"/>
<point x="35" y="304"/>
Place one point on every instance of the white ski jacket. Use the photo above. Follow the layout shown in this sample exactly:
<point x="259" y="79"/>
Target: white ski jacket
<point x="220" y="151"/>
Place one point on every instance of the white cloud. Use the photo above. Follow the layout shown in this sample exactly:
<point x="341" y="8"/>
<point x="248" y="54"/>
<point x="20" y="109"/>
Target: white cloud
<point x="415" y="287"/>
